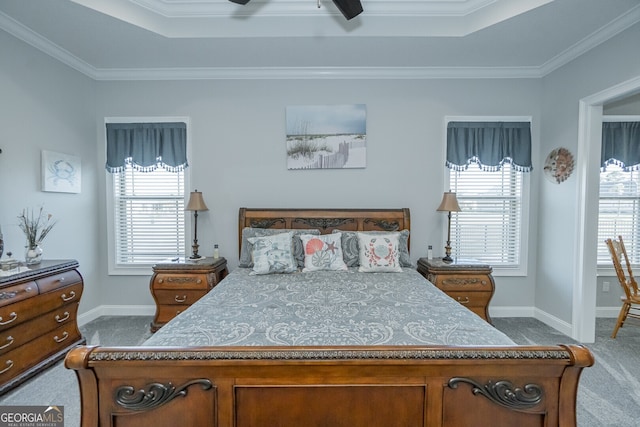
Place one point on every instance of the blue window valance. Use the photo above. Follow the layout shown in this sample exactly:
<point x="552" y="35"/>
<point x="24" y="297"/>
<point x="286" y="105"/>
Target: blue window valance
<point x="621" y="145"/>
<point x="146" y="146"/>
<point x="489" y="145"/>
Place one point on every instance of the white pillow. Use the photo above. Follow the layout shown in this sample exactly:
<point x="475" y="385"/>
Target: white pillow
<point x="273" y="254"/>
<point x="323" y="252"/>
<point x="379" y="252"/>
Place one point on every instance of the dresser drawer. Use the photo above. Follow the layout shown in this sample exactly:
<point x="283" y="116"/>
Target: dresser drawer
<point x="26" y="356"/>
<point x="178" y="296"/>
<point x="471" y="299"/>
<point x="56" y="281"/>
<point x="181" y="281"/>
<point x="454" y="282"/>
<point x="25" y="310"/>
<point x="12" y="338"/>
<point x="16" y="293"/>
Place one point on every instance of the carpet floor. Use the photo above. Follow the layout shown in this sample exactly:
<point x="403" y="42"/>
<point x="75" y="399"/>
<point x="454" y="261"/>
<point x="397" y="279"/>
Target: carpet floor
<point x="608" y="395"/>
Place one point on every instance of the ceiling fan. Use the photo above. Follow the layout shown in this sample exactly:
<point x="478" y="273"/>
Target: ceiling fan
<point x="349" y="8"/>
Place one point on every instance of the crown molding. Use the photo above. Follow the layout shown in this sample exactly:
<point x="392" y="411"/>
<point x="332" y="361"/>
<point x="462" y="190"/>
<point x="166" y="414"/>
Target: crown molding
<point x="593" y="40"/>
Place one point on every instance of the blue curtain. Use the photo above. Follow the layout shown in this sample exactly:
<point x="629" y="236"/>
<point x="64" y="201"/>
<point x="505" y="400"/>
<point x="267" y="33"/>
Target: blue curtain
<point x="621" y="145"/>
<point x="489" y="145"/>
<point x="146" y="146"/>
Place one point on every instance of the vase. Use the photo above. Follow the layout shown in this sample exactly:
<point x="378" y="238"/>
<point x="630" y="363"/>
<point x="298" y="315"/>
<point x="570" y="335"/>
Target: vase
<point x="33" y="254"/>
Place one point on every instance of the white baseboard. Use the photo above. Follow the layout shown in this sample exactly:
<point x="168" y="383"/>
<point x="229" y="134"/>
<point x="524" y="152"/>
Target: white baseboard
<point x="515" y="311"/>
<point x="556" y="323"/>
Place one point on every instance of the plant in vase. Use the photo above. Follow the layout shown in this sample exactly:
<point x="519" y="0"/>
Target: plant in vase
<point x="35" y="229"/>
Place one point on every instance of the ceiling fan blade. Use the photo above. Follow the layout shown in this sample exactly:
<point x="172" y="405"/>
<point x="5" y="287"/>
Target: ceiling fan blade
<point x="349" y="8"/>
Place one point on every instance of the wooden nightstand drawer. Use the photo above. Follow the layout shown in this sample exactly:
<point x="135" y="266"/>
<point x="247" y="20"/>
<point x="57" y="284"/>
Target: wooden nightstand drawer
<point x="181" y="281"/>
<point x="471" y="299"/>
<point x="164" y="313"/>
<point x="182" y="296"/>
<point x="455" y="282"/>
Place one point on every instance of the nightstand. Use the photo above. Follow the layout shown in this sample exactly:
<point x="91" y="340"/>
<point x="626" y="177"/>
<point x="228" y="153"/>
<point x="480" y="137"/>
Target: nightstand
<point x="467" y="281"/>
<point x="177" y="285"/>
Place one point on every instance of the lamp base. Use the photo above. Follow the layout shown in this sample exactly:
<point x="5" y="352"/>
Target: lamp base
<point x="447" y="259"/>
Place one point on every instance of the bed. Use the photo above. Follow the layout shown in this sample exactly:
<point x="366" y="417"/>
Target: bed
<point x="327" y="348"/>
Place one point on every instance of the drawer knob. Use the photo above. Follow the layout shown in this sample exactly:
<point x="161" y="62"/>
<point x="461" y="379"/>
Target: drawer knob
<point x="199" y="281"/>
<point x="160" y="280"/>
<point x="12" y="317"/>
<point x="464" y="300"/>
<point x="10" y="341"/>
<point x="62" y="319"/>
<point x="179" y="299"/>
<point x="66" y="298"/>
<point x="65" y="335"/>
<point x="9" y="366"/>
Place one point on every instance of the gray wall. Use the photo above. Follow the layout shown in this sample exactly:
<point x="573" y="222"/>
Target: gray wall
<point x="238" y="152"/>
<point x="44" y="105"/>
<point x="603" y="67"/>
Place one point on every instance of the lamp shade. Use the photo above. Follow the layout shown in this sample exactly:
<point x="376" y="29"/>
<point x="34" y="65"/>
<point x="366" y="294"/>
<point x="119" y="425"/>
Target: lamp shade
<point x="196" y="202"/>
<point x="449" y="203"/>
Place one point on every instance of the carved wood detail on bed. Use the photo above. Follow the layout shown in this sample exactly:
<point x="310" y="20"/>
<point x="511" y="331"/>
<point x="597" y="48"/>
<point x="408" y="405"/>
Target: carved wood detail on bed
<point x="242" y="386"/>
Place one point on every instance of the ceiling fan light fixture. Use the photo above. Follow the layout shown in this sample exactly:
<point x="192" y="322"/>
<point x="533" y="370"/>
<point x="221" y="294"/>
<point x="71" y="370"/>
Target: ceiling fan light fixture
<point x="349" y="8"/>
<point x="239" y="1"/>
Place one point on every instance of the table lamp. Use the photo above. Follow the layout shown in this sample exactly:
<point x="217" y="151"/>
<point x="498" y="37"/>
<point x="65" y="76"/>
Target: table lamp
<point x="449" y="204"/>
<point x="196" y="203"/>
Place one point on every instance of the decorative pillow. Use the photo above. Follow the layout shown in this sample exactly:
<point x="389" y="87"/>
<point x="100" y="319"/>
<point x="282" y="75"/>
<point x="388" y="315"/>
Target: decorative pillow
<point x="322" y="252"/>
<point x="351" y="251"/>
<point x="379" y="252"/>
<point x="246" y="247"/>
<point x="273" y="254"/>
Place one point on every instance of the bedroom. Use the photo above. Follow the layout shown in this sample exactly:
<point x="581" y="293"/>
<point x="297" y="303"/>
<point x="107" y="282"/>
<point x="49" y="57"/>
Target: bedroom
<point x="53" y="106"/>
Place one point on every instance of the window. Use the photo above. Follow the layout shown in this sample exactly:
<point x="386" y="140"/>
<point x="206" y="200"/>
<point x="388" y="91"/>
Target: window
<point x="619" y="204"/>
<point x="489" y="228"/>
<point x="146" y="187"/>
<point x="149" y="216"/>
<point x="488" y="161"/>
<point x="619" y="213"/>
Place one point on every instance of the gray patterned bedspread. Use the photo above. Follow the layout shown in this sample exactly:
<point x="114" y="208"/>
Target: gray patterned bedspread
<point x="326" y="308"/>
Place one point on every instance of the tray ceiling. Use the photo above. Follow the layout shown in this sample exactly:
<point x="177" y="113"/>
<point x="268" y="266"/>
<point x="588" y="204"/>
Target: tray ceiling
<point x="140" y="39"/>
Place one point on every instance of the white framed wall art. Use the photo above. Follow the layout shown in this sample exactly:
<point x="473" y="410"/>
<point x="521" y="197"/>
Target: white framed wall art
<point x="61" y="172"/>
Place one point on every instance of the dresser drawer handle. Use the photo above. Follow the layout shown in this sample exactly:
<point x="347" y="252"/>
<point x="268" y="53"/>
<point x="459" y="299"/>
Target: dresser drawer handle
<point x="62" y="319"/>
<point x="10" y="341"/>
<point x="65" y="335"/>
<point x="66" y="298"/>
<point x="199" y="281"/>
<point x="464" y="300"/>
<point x="178" y="299"/>
<point x="13" y="316"/>
<point x="9" y="366"/>
<point x="160" y="280"/>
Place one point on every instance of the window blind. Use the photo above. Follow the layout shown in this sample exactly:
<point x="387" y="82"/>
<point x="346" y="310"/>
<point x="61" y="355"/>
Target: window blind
<point x="489" y="226"/>
<point x="149" y="215"/>
<point x="619" y="212"/>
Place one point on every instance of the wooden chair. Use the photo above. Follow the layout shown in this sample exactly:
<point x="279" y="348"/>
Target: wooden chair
<point x="631" y="297"/>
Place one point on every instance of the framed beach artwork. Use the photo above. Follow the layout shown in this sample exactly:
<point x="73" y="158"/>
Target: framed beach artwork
<point x="326" y="136"/>
<point x="61" y="172"/>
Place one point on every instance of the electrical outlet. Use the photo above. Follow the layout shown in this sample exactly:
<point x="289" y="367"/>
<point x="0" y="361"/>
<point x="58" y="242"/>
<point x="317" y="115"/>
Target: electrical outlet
<point x="605" y="286"/>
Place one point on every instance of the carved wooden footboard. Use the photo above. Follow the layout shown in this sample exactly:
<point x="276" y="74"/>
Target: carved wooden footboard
<point x="329" y="386"/>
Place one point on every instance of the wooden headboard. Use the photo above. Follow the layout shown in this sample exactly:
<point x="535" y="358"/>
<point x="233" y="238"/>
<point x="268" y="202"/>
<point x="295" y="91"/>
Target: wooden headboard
<point x="325" y="220"/>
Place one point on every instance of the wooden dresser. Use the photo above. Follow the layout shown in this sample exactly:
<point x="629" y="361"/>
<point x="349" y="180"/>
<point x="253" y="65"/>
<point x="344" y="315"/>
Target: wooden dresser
<point x="177" y="285"/>
<point x="467" y="281"/>
<point x="38" y="310"/>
